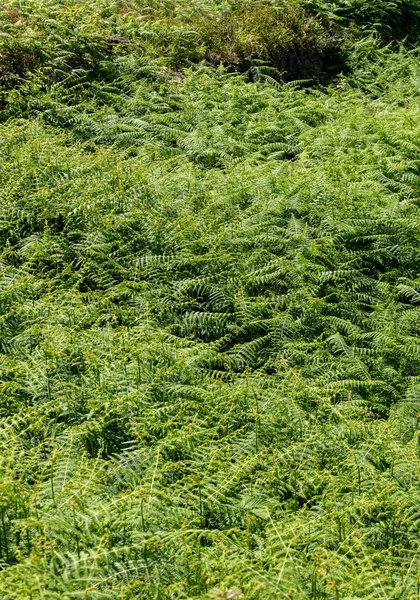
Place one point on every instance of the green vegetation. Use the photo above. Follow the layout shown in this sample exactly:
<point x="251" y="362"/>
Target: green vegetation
<point x="46" y="41"/>
<point x="209" y="300"/>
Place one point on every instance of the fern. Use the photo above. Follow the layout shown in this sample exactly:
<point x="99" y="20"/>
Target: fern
<point x="209" y="321"/>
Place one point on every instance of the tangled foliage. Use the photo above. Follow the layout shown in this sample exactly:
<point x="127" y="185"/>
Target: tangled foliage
<point x="44" y="42"/>
<point x="209" y="317"/>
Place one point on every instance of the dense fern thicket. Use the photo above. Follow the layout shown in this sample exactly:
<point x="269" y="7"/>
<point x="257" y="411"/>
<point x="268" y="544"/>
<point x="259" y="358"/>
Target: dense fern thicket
<point x="209" y="304"/>
<point x="44" y="42"/>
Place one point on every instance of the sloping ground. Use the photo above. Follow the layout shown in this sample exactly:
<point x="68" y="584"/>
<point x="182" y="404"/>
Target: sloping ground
<point x="210" y="334"/>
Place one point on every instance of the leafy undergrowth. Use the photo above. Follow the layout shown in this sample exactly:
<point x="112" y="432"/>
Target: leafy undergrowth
<point x="209" y="327"/>
<point x="50" y="41"/>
